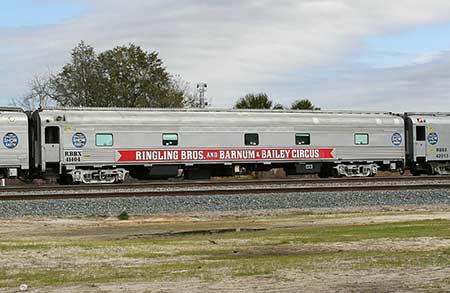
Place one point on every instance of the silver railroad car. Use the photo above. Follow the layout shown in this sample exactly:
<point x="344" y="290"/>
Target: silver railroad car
<point x="14" y="150"/>
<point x="428" y="146"/>
<point x="104" y="145"/>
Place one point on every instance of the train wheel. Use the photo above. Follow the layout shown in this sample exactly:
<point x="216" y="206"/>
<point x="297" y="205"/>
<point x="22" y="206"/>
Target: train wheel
<point x="65" y="179"/>
<point x="415" y="172"/>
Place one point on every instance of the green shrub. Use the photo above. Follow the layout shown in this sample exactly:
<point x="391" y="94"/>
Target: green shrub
<point x="123" y="216"/>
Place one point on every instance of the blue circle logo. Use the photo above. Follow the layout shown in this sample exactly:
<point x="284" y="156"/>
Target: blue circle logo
<point x="397" y="139"/>
<point x="433" y="138"/>
<point x="10" y="140"/>
<point x="79" y="140"/>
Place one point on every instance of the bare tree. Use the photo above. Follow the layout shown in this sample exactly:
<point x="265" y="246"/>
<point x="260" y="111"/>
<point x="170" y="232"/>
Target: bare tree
<point x="191" y="97"/>
<point x="40" y="94"/>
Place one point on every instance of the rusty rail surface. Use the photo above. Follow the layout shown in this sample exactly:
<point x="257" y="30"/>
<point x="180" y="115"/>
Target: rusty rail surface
<point x="215" y="182"/>
<point x="78" y="193"/>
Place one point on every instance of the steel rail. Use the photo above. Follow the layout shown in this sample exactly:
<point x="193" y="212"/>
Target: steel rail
<point x="222" y="191"/>
<point x="215" y="182"/>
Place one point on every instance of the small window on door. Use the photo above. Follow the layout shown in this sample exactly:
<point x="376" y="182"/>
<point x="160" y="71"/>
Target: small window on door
<point x="52" y="135"/>
<point x="251" y="139"/>
<point x="104" y="139"/>
<point x="170" y="139"/>
<point x="302" y="139"/>
<point x="420" y="133"/>
<point x="361" y="139"/>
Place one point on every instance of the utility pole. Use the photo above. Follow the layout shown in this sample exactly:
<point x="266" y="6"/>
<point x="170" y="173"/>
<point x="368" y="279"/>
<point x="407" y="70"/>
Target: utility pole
<point x="201" y="88"/>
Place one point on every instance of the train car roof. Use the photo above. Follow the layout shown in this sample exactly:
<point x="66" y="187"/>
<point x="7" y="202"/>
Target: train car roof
<point x="13" y="115"/>
<point x="222" y="118"/>
<point x="429" y="118"/>
<point x="197" y="110"/>
<point x="11" y="109"/>
<point x="436" y="114"/>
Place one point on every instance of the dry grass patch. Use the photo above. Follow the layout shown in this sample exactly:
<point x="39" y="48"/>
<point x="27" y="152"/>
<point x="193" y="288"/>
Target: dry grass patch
<point x="110" y="252"/>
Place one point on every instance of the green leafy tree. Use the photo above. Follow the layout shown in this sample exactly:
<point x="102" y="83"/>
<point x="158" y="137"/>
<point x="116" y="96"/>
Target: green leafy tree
<point x="254" y="101"/>
<point x="304" y="104"/>
<point x="278" y="107"/>
<point x="125" y="76"/>
<point x="79" y="83"/>
<point x="135" y="78"/>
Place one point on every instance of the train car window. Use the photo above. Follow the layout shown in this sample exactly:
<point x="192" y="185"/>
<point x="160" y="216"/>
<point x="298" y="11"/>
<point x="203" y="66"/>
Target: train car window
<point x="104" y="139"/>
<point x="52" y="134"/>
<point x="170" y="139"/>
<point x="251" y="139"/>
<point x="420" y="133"/>
<point x="361" y="139"/>
<point x="302" y="139"/>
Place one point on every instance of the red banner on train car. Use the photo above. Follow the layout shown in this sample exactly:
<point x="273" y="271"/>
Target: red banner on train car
<point x="224" y="155"/>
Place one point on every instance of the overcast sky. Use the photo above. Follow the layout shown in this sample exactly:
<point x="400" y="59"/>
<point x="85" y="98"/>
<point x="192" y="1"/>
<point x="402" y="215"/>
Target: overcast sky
<point x="341" y="54"/>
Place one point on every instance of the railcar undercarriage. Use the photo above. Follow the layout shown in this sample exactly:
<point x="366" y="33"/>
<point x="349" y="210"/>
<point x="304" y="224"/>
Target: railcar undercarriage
<point x="93" y="176"/>
<point x="119" y="175"/>
<point x="430" y="168"/>
<point x="356" y="170"/>
<point x="441" y="168"/>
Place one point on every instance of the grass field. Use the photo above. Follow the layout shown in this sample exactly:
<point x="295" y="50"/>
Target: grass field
<point x="381" y="251"/>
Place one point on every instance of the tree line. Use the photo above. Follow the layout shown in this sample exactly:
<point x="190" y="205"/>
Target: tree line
<point x="125" y="76"/>
<point x="262" y="101"/>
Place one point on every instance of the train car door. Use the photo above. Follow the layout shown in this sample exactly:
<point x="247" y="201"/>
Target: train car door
<point x="420" y="148"/>
<point x="51" y="146"/>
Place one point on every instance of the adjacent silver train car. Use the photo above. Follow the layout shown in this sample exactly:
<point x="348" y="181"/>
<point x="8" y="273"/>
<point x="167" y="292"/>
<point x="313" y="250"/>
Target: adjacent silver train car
<point x="428" y="147"/>
<point x="14" y="150"/>
<point x="105" y="145"/>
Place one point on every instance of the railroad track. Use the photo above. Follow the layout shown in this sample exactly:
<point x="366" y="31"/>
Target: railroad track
<point x="220" y="188"/>
<point x="215" y="182"/>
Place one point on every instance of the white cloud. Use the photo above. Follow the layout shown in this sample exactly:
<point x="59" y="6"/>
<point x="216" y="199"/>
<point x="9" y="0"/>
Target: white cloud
<point x="425" y="58"/>
<point x="416" y="87"/>
<point x="235" y="46"/>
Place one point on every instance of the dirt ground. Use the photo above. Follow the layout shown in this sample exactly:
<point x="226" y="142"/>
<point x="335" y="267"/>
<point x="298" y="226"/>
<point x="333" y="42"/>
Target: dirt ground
<point x="78" y="242"/>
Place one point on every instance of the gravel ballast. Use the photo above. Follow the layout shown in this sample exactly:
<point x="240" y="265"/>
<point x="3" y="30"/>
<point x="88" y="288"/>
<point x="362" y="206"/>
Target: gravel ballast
<point x="212" y="203"/>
